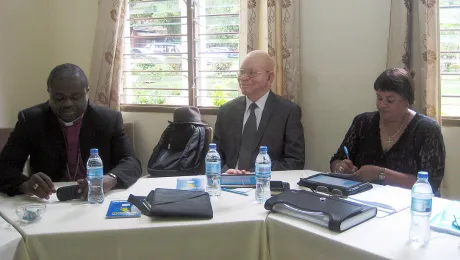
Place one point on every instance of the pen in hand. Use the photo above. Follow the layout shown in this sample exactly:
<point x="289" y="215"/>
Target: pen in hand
<point x="346" y="152"/>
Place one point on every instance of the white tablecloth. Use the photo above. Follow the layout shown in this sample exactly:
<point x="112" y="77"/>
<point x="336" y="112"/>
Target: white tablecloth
<point x="378" y="238"/>
<point x="240" y="229"/>
<point x="77" y="230"/>
<point x="11" y="243"/>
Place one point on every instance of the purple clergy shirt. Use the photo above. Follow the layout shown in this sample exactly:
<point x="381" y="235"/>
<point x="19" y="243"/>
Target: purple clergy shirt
<point x="75" y="165"/>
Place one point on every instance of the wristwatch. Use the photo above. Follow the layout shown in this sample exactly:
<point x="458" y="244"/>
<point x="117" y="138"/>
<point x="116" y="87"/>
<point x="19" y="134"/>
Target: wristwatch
<point x="381" y="175"/>
<point x="113" y="176"/>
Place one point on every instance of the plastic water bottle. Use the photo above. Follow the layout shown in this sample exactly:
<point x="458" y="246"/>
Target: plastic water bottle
<point x="213" y="172"/>
<point x="263" y="175"/>
<point x="422" y="195"/>
<point x="95" y="176"/>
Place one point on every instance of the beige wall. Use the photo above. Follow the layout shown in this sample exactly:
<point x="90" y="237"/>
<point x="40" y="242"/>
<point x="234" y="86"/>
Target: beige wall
<point x="35" y="36"/>
<point x="72" y="28"/>
<point x="343" y="49"/>
<point x="451" y="184"/>
<point x="24" y="56"/>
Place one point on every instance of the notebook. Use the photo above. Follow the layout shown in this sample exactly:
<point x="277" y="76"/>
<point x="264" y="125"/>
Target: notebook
<point x="334" y="213"/>
<point x="442" y="222"/>
<point x="180" y="203"/>
<point x="190" y="184"/>
<point x="238" y="181"/>
<point x="122" y="209"/>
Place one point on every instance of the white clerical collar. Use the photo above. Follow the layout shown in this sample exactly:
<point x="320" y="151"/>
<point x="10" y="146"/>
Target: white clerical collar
<point x="67" y="124"/>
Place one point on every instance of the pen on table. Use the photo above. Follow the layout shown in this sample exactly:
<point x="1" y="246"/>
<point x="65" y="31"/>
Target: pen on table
<point x="346" y="152"/>
<point x="234" y="191"/>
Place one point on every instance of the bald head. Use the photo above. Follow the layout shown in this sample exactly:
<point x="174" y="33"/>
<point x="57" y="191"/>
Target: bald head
<point x="260" y="57"/>
<point x="256" y="74"/>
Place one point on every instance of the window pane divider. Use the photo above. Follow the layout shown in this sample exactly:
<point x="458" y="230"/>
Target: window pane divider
<point x="155" y="18"/>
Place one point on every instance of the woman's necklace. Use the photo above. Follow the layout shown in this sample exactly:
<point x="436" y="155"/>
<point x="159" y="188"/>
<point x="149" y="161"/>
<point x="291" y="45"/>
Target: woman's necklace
<point x="390" y="140"/>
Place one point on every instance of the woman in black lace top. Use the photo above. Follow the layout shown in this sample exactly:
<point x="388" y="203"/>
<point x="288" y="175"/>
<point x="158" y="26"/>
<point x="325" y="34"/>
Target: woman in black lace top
<point x="392" y="145"/>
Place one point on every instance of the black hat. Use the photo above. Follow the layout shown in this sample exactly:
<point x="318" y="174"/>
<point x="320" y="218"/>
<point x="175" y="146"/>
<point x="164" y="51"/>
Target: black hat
<point x="187" y="115"/>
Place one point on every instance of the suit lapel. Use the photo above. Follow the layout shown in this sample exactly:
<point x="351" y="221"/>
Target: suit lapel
<point x="266" y="115"/>
<point x="87" y="133"/>
<point x="238" y="117"/>
<point x="55" y="136"/>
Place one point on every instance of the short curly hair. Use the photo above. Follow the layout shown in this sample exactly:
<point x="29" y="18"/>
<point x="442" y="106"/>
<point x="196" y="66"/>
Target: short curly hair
<point x="67" y="71"/>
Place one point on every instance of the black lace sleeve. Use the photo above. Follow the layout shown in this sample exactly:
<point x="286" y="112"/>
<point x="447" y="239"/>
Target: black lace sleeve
<point x="432" y="153"/>
<point x="350" y="140"/>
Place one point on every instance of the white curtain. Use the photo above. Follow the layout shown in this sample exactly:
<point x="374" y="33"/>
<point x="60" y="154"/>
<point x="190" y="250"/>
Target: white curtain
<point x="273" y="25"/>
<point x="105" y="76"/>
<point x="414" y="44"/>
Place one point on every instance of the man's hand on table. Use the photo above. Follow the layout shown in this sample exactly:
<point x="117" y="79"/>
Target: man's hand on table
<point x="235" y="171"/>
<point x="108" y="184"/>
<point x="39" y="185"/>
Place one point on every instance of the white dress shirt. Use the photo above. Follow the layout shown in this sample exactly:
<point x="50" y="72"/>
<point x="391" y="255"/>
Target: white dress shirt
<point x="258" y="111"/>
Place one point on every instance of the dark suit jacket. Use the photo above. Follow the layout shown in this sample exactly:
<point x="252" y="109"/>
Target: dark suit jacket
<point x="280" y="129"/>
<point x="38" y="134"/>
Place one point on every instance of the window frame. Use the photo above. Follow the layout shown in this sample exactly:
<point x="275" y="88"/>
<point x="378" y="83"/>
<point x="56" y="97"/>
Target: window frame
<point x="449" y="121"/>
<point x="192" y="67"/>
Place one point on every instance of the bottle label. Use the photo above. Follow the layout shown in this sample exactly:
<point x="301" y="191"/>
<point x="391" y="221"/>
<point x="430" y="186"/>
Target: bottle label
<point x="95" y="172"/>
<point x="263" y="170"/>
<point x="212" y="168"/>
<point x="421" y="205"/>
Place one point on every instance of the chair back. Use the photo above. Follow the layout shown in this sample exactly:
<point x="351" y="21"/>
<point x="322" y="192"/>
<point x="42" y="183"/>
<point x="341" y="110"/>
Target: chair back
<point x="129" y="131"/>
<point x="209" y="134"/>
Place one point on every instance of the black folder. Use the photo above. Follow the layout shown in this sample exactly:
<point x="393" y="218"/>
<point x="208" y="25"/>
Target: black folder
<point x="174" y="203"/>
<point x="336" y="214"/>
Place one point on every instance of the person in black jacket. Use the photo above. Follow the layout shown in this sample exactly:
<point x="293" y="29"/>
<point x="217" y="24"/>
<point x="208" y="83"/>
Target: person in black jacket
<point x="259" y="118"/>
<point x="58" y="136"/>
<point x="391" y="145"/>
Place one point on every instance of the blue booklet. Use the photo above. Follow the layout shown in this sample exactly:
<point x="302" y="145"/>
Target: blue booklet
<point x="238" y="181"/>
<point x="443" y="221"/>
<point x="122" y="209"/>
<point x="190" y="184"/>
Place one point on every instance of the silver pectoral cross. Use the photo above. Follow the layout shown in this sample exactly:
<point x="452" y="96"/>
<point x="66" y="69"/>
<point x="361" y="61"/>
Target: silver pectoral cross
<point x="389" y="140"/>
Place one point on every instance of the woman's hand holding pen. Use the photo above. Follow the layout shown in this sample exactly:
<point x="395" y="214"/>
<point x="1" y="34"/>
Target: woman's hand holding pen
<point x="345" y="166"/>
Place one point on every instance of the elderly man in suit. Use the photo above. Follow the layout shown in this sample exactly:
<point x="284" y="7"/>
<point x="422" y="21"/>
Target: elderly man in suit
<point x="258" y="118"/>
<point x="58" y="136"/>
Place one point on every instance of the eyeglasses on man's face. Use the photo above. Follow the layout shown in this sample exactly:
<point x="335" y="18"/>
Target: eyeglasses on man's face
<point x="250" y="74"/>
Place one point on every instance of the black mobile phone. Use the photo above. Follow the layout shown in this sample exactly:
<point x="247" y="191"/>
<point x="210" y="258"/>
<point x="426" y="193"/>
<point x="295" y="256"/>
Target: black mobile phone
<point x="277" y="187"/>
<point x="68" y="193"/>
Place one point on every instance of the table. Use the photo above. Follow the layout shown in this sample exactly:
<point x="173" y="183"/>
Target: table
<point x="12" y="245"/>
<point x="78" y="230"/>
<point x="378" y="238"/>
<point x="240" y="229"/>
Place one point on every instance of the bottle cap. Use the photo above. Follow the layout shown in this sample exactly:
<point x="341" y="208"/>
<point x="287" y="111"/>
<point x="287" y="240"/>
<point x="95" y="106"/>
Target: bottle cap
<point x="94" y="151"/>
<point x="422" y="175"/>
<point x="263" y="148"/>
<point x="212" y="146"/>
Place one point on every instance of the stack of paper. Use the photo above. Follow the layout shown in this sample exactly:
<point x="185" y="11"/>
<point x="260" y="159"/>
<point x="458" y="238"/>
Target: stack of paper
<point x="387" y="199"/>
<point x="442" y="222"/>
